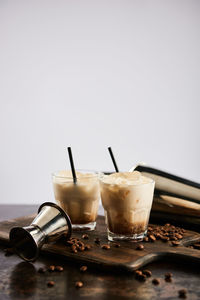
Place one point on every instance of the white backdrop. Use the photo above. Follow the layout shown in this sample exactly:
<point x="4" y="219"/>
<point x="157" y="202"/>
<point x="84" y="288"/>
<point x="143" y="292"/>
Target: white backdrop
<point x="92" y="74"/>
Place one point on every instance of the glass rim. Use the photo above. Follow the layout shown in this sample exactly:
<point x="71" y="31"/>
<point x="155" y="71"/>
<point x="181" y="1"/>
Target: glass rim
<point x="101" y="175"/>
<point x="90" y="174"/>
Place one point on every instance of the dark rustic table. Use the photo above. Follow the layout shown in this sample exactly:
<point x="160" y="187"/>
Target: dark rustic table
<point x="21" y="280"/>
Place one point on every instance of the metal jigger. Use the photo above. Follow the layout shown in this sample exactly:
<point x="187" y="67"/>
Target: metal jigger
<point x="48" y="226"/>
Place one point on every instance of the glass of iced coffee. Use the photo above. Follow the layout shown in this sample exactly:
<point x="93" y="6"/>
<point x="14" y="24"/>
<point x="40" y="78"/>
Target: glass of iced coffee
<point x="79" y="200"/>
<point x="127" y="199"/>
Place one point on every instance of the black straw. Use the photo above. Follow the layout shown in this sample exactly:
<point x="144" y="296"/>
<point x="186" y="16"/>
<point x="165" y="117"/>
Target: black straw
<point x="113" y="159"/>
<point x="72" y="164"/>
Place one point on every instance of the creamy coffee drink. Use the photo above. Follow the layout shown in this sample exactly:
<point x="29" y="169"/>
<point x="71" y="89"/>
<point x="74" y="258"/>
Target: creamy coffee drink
<point x="79" y="200"/>
<point x="127" y="200"/>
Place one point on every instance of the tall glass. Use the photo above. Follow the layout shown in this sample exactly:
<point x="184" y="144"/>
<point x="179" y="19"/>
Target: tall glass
<point x="127" y="204"/>
<point x="79" y="200"/>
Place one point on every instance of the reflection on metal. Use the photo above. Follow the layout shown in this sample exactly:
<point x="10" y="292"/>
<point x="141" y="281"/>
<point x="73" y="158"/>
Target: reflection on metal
<point x="48" y="226"/>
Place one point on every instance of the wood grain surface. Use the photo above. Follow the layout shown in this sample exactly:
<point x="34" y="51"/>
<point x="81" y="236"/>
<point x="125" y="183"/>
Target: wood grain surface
<point x="126" y="258"/>
<point x="20" y="280"/>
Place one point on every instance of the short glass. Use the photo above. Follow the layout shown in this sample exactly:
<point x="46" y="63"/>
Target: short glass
<point x="127" y="208"/>
<point x="79" y="200"/>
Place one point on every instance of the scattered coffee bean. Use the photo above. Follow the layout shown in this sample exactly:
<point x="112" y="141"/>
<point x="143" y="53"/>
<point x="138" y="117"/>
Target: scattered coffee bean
<point x="117" y="245"/>
<point x="165" y="238"/>
<point x="50" y="283"/>
<point x="141" y="277"/>
<point x="70" y="243"/>
<point x="59" y="269"/>
<point x="152" y="238"/>
<point x="166" y="233"/>
<point x="155" y="281"/>
<point x="81" y="248"/>
<point x="85" y="236"/>
<point x="88" y="247"/>
<point x="51" y="268"/>
<point x="97" y="240"/>
<point x="105" y="247"/>
<point x="182" y="293"/>
<point x="79" y="284"/>
<point x="138" y="272"/>
<point x="168" y="275"/>
<point x="74" y="249"/>
<point x="140" y="247"/>
<point x="175" y="243"/>
<point x="146" y="239"/>
<point x="178" y="236"/>
<point x="147" y="273"/>
<point x="168" y="279"/>
<point x="83" y="268"/>
<point x="41" y="270"/>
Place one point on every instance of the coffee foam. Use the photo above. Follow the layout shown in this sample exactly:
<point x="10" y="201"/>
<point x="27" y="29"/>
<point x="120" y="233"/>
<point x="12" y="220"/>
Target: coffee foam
<point x="126" y="178"/>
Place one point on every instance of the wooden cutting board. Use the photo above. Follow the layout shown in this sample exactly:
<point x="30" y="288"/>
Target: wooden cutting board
<point x="125" y="258"/>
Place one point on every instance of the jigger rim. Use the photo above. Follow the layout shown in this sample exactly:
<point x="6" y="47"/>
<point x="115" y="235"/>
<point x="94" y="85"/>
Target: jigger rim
<point x="17" y="230"/>
<point x="69" y="232"/>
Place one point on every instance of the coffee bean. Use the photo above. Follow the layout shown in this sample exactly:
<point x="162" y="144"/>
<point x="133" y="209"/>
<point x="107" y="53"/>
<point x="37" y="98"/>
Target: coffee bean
<point x="158" y="236"/>
<point x="117" y="245"/>
<point x="79" y="243"/>
<point x="74" y="249"/>
<point x="105" y="247"/>
<point x="83" y="268"/>
<point x="146" y="239"/>
<point x="51" y="268"/>
<point x="168" y="275"/>
<point x="88" y="247"/>
<point x="168" y="279"/>
<point x="147" y="273"/>
<point x="59" y="269"/>
<point x="175" y="243"/>
<point x="97" y="240"/>
<point x="70" y="243"/>
<point x="140" y="247"/>
<point x="141" y="277"/>
<point x="182" y="293"/>
<point x="79" y="284"/>
<point x="74" y="240"/>
<point x="165" y="238"/>
<point x="179" y="236"/>
<point x="85" y="236"/>
<point x="81" y="248"/>
<point x="138" y="272"/>
<point x="155" y="281"/>
<point x="50" y="283"/>
<point x="152" y="238"/>
<point x="41" y="270"/>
